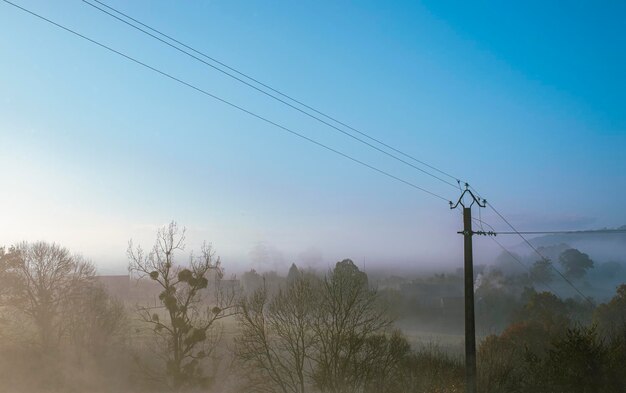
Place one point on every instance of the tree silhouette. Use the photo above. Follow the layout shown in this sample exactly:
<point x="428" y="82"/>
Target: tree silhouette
<point x="42" y="280"/>
<point x="575" y="263"/>
<point x="183" y="326"/>
<point x="348" y="313"/>
<point x="276" y="340"/>
<point x="330" y="333"/>
<point x="293" y="273"/>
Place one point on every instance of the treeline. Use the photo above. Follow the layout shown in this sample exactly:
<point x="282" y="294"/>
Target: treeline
<point x="435" y="302"/>
<point x="335" y="333"/>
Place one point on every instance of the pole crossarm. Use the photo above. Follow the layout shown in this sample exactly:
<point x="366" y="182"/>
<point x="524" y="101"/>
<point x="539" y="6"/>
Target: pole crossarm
<point x="482" y="233"/>
<point x="480" y="202"/>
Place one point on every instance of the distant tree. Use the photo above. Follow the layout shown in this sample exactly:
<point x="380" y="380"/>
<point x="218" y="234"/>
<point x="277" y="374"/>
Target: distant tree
<point x="541" y="271"/>
<point x="293" y="273"/>
<point x="42" y="279"/>
<point x="184" y="327"/>
<point x="575" y="263"/>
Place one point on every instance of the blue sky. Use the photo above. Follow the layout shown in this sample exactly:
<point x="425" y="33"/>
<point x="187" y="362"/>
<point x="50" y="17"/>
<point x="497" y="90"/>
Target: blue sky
<point x="526" y="101"/>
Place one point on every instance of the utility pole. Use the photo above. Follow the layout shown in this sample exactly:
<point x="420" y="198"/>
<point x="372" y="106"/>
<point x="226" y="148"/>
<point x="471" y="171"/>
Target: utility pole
<point x="470" y="326"/>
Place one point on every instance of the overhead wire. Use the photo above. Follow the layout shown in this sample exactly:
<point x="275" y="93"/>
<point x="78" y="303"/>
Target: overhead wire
<point x="305" y="112"/>
<point x="286" y="129"/>
<point x="585" y="232"/>
<point x="235" y="77"/>
<point x="240" y="108"/>
<point x="276" y="91"/>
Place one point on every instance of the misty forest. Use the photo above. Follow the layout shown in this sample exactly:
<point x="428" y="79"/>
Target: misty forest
<point x="178" y="323"/>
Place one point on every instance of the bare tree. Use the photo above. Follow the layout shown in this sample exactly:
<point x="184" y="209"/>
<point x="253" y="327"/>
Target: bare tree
<point x="330" y="334"/>
<point x="184" y="325"/>
<point x="42" y="279"/>
<point x="277" y="337"/>
<point x="348" y="315"/>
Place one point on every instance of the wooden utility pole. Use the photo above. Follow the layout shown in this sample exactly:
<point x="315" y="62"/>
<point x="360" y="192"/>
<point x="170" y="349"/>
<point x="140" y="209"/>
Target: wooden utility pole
<point x="470" y="325"/>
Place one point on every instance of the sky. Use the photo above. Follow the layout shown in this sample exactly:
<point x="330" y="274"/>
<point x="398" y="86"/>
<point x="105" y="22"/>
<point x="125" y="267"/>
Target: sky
<point x="526" y="101"/>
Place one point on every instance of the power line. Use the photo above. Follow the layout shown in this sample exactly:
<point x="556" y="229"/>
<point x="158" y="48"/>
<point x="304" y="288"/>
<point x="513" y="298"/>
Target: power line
<point x="273" y="90"/>
<point x="580" y="232"/>
<point x="300" y="103"/>
<point x="585" y="232"/>
<point x="242" y="109"/>
<point x="163" y="73"/>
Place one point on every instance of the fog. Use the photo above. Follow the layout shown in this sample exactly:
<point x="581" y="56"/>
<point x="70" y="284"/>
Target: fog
<point x="183" y="320"/>
<point x="419" y="248"/>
